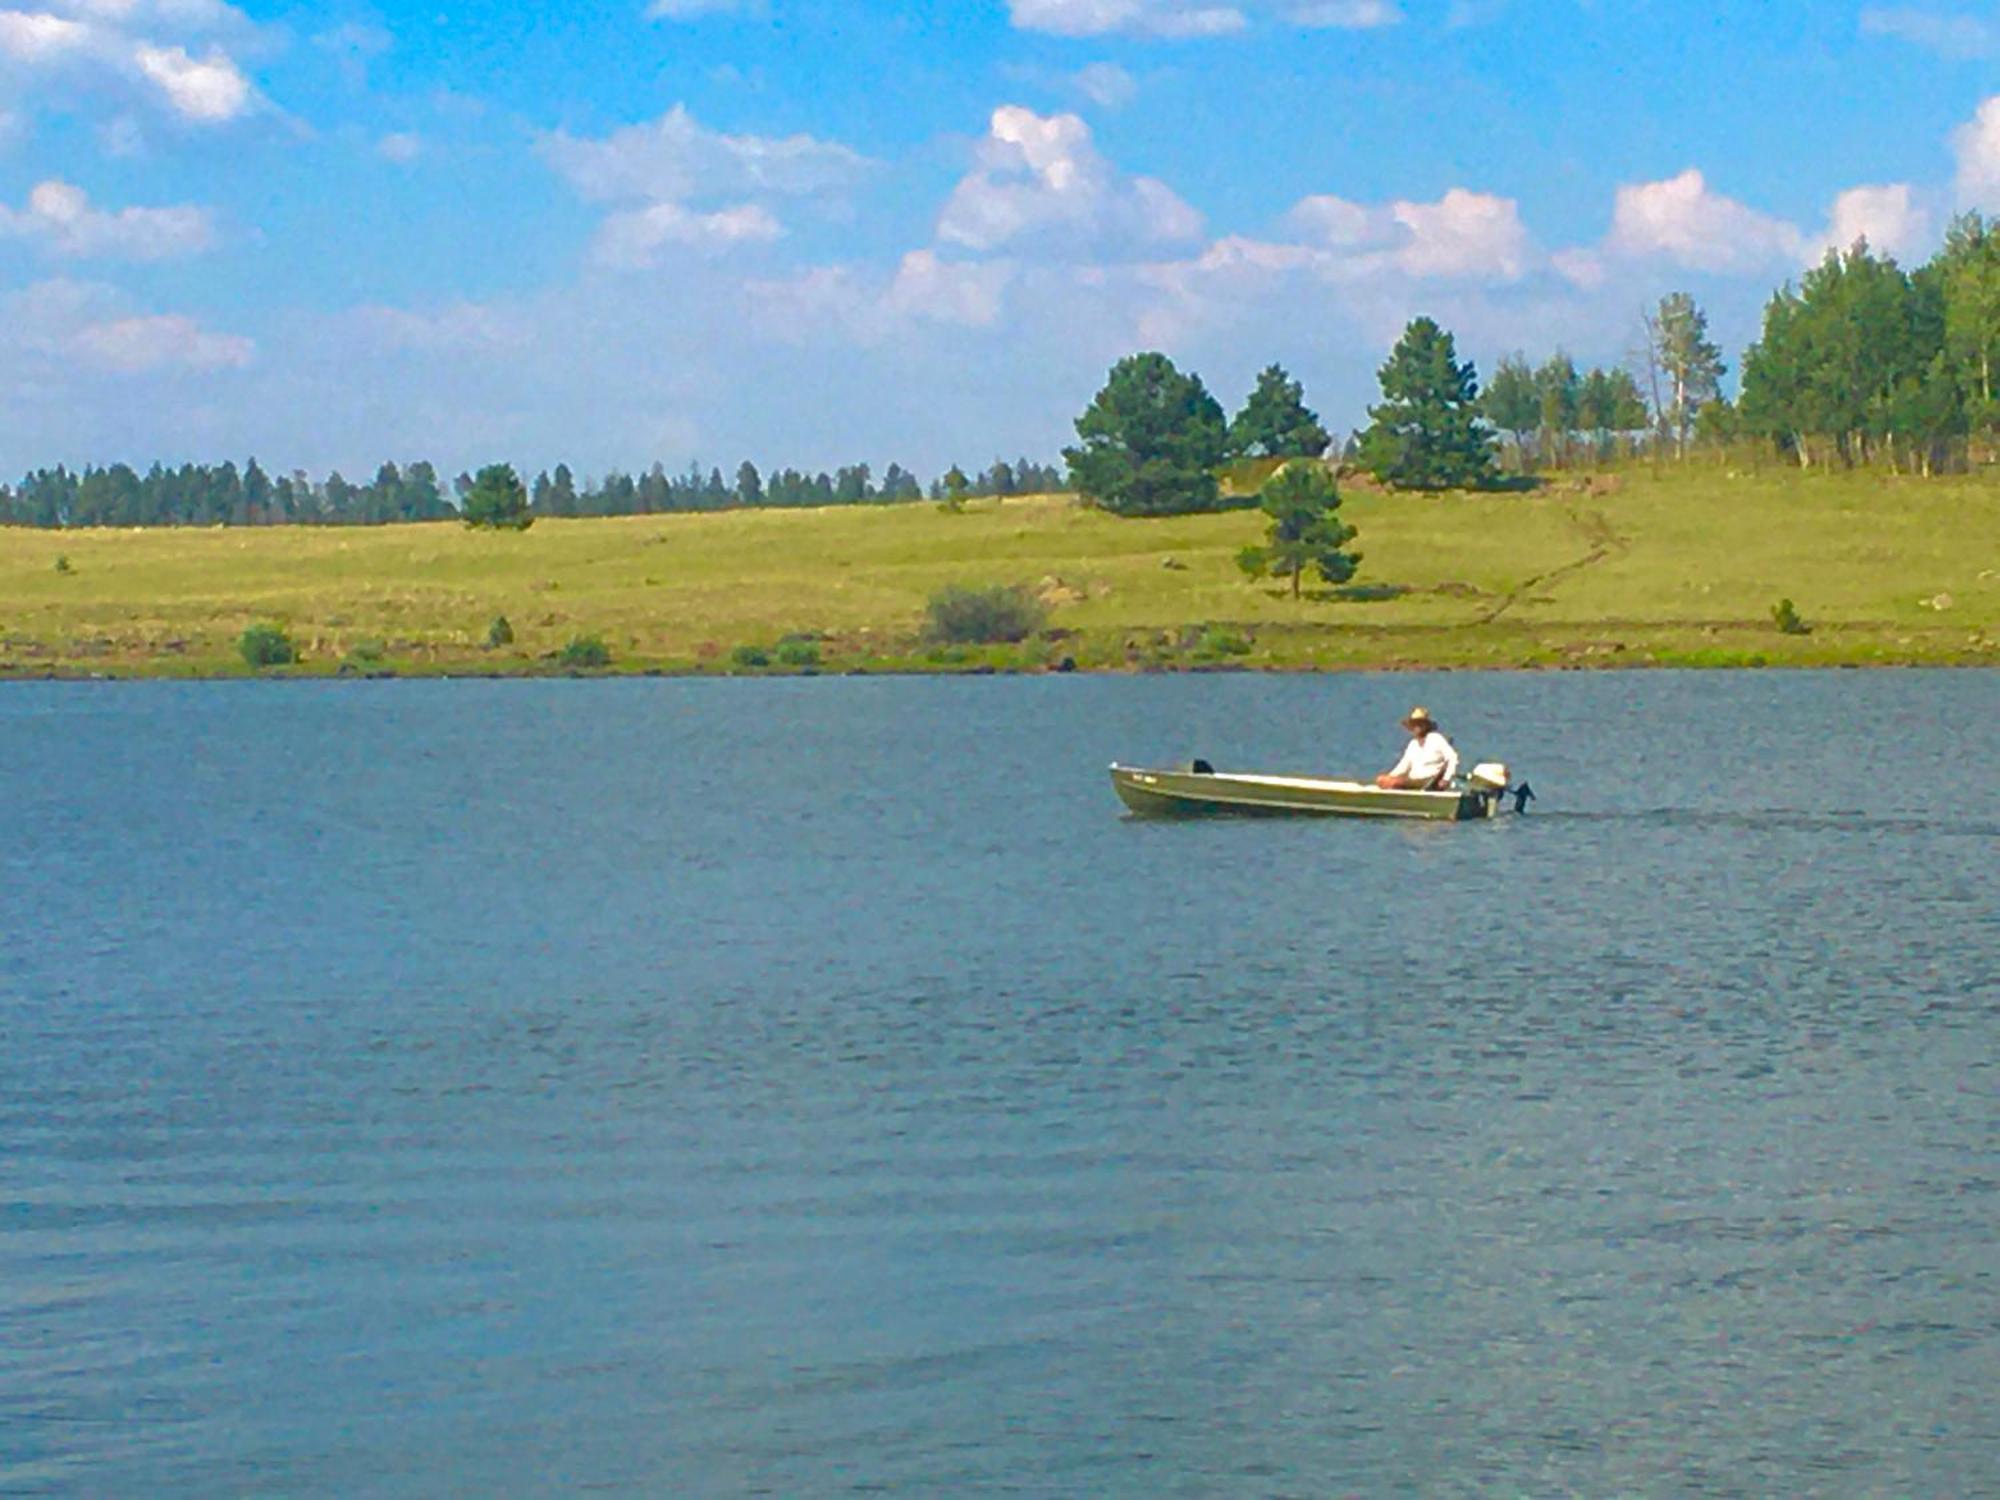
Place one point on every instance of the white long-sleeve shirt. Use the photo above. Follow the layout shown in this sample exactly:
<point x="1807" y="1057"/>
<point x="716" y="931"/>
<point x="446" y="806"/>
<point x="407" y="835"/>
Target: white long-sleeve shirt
<point x="1426" y="757"/>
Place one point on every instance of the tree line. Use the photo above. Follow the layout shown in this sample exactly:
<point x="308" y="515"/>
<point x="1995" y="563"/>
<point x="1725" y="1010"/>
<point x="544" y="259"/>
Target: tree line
<point x="224" y="495"/>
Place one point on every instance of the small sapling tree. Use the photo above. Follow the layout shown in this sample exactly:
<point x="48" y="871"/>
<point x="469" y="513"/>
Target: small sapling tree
<point x="1305" y="529"/>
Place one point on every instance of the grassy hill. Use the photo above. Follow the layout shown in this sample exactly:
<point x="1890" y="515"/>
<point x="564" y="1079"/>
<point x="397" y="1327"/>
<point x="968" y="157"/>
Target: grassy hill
<point x="1633" y="569"/>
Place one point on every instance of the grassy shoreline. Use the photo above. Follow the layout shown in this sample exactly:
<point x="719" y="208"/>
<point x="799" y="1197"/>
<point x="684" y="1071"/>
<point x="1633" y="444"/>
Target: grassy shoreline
<point x="1635" y="569"/>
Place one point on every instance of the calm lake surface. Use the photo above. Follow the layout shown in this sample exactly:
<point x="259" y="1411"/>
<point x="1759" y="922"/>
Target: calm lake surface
<point x="812" y="1086"/>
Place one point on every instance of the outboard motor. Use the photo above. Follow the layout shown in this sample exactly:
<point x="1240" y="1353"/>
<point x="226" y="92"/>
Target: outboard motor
<point x="1493" y="781"/>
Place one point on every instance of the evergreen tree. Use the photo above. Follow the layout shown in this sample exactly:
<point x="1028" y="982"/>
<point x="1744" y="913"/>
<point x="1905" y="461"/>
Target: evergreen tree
<point x="497" y="499"/>
<point x="1275" y="421"/>
<point x="1149" y="442"/>
<point x="1305" y="531"/>
<point x="749" y="484"/>
<point x="1426" y="432"/>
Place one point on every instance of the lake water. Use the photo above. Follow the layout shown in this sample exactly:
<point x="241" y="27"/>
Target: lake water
<point x="810" y="1086"/>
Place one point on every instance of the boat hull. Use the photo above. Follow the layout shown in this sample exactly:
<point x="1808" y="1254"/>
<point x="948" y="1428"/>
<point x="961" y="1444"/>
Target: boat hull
<point x="1180" y="794"/>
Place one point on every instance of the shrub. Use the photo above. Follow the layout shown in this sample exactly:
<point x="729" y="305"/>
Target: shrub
<point x="499" y="633"/>
<point x="62" y="562"/>
<point x="983" y="616"/>
<point x="585" y="653"/>
<point x="798" y="654"/>
<point x="266" y="646"/>
<point x="750" y="657"/>
<point x="1219" y="642"/>
<point x="1786" y="618"/>
<point x="367" y="653"/>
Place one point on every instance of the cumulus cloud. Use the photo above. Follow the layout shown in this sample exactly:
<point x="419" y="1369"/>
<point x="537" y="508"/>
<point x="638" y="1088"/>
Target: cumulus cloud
<point x="1954" y="36"/>
<point x="1888" y="216"/>
<point x="81" y="323"/>
<point x="209" y="89"/>
<point x="136" y="47"/>
<point x="1041" y="175"/>
<point x="1154" y="18"/>
<point x="676" y="159"/>
<point x="1463" y="234"/>
<point x="1682" y="220"/>
<point x="634" y="241"/>
<point x="59" y="218"/>
<point x="1977" y="147"/>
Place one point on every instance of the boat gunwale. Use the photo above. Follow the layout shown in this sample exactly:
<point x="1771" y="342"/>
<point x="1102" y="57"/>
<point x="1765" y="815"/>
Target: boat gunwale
<point x="1199" y="789"/>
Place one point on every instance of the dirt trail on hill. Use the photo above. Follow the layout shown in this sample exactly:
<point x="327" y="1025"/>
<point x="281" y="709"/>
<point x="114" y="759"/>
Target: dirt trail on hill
<point x="1595" y="529"/>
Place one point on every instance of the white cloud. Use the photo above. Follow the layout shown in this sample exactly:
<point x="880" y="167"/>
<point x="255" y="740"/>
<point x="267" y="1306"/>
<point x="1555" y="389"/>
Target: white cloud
<point x="1953" y="36"/>
<point x="137" y="346"/>
<point x="210" y="89"/>
<point x="695" y="188"/>
<point x="968" y="294"/>
<point x="1888" y="216"/>
<point x="131" y="46"/>
<point x="464" y="327"/>
<point x="1682" y="220"/>
<point x="632" y="241"/>
<point x="675" y="159"/>
<point x="1463" y="234"/>
<point x="689" y="10"/>
<point x="1347" y="15"/>
<point x="1105" y="84"/>
<point x="401" y="147"/>
<point x="60" y="218"/>
<point x="66" y="323"/>
<point x="1977" y="146"/>
<point x="1042" y="175"/>
<point x="35" y="36"/>
<point x="1155" y="18"/>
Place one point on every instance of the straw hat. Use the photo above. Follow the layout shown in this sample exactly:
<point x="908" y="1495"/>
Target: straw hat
<point x="1419" y="716"/>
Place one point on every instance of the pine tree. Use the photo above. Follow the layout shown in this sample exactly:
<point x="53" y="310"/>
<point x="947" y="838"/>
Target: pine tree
<point x="1426" y="432"/>
<point x="1275" y="421"/>
<point x="497" y="499"/>
<point x="1151" y="441"/>
<point x="1305" y="529"/>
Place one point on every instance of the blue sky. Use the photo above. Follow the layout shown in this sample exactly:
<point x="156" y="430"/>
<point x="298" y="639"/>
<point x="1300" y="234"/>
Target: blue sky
<point x="810" y="232"/>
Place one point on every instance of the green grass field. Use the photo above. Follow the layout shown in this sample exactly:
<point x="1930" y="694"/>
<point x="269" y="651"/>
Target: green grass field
<point x="1625" y="570"/>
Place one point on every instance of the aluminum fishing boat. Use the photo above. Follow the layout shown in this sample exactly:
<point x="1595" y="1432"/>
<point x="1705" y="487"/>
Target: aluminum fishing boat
<point x="1199" y="790"/>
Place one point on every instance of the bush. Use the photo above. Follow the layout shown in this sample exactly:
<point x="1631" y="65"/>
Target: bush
<point x="798" y="654"/>
<point x="750" y="657"/>
<point x="367" y="653"/>
<point x="585" y="653"/>
<point x="1218" y="642"/>
<point x="1786" y="618"/>
<point x="499" y="633"/>
<point x="984" y="616"/>
<point x="62" y="562"/>
<point x="266" y="646"/>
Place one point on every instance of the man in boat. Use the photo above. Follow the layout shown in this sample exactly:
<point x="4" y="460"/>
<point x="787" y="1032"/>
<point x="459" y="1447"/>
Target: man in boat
<point x="1429" y="762"/>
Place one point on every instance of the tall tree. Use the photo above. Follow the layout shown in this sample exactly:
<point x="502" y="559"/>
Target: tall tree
<point x="1557" y="393"/>
<point x="1150" y="441"/>
<point x="1970" y="269"/>
<point x="1511" y="403"/>
<point x="1678" y="333"/>
<point x="1276" y="422"/>
<point x="1305" y="530"/>
<point x="749" y="484"/>
<point x="1426" y="433"/>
